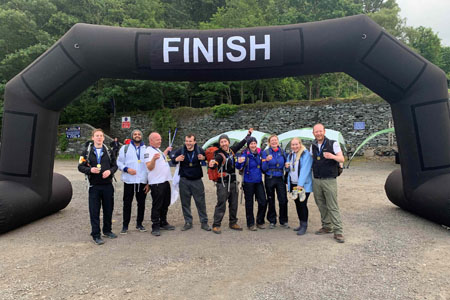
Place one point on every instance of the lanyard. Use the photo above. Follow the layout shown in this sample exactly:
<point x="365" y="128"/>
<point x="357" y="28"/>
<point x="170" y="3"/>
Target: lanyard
<point x="159" y="151"/>
<point x="321" y="148"/>
<point x="138" y="151"/>
<point x="191" y="159"/>
<point x="294" y="156"/>
<point x="99" y="157"/>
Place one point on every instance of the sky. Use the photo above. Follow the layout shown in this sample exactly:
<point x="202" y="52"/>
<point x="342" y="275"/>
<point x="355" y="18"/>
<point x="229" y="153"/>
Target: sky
<point x="434" y="14"/>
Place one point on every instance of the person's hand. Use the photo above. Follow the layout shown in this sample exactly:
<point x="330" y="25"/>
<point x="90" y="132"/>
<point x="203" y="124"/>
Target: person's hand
<point x="269" y="157"/>
<point x="156" y="156"/>
<point x="168" y="149"/>
<point x="212" y="163"/>
<point x="106" y="174"/>
<point x="146" y="188"/>
<point x="179" y="158"/>
<point x="131" y="171"/>
<point x="250" y="131"/>
<point x="241" y="159"/>
<point x="201" y="157"/>
<point x="328" y="155"/>
<point x="286" y="165"/>
<point x="95" y="170"/>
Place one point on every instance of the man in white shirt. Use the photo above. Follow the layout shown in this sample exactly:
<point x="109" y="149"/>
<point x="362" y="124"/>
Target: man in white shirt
<point x="158" y="178"/>
<point x="134" y="177"/>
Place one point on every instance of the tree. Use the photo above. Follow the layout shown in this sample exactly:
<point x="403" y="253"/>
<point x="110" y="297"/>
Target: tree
<point x="425" y="42"/>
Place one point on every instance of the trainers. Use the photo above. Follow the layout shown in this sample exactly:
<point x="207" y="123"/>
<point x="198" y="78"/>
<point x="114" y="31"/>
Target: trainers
<point x="236" y="227"/>
<point x="141" y="228"/>
<point x="272" y="225"/>
<point x="206" y="227"/>
<point x="168" y="227"/>
<point x="98" y="241"/>
<point x="216" y="230"/>
<point x="261" y="226"/>
<point x="285" y="226"/>
<point x="323" y="230"/>
<point x="339" y="238"/>
<point x="110" y="235"/>
<point x="252" y="228"/>
<point x="124" y="230"/>
<point x="186" y="226"/>
<point x="156" y="232"/>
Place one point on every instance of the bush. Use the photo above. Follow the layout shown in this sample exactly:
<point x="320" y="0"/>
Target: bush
<point x="162" y="121"/>
<point x="63" y="143"/>
<point x="224" y="110"/>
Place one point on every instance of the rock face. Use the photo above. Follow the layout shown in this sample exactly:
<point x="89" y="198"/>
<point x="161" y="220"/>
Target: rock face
<point x="337" y="115"/>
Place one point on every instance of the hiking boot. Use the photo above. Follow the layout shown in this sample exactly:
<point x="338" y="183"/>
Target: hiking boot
<point x="261" y="226"/>
<point x="216" y="230"/>
<point x="236" y="227"/>
<point x="141" y="228"/>
<point x="303" y="227"/>
<point x="124" y="230"/>
<point x="168" y="227"/>
<point x="339" y="238"/>
<point x="98" y="241"/>
<point x="156" y="232"/>
<point x="186" y="226"/>
<point x="110" y="235"/>
<point x="323" y="230"/>
<point x="297" y="228"/>
<point x="252" y="228"/>
<point x="206" y="227"/>
<point x="285" y="226"/>
<point x="272" y="226"/>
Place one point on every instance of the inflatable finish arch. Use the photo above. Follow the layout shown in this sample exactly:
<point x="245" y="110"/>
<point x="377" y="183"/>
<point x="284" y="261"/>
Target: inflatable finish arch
<point x="415" y="89"/>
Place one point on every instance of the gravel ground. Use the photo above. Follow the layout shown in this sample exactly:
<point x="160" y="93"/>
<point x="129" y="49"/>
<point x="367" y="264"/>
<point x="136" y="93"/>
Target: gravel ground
<point x="388" y="253"/>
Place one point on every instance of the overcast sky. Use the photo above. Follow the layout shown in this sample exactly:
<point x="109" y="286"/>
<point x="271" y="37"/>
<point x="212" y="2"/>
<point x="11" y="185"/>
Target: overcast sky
<point x="431" y="13"/>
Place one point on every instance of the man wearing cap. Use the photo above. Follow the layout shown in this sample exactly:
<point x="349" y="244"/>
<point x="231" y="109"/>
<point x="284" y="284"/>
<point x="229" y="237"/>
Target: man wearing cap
<point x="190" y="157"/>
<point x="224" y="160"/>
<point x="134" y="177"/>
<point x="327" y="155"/>
<point x="158" y="178"/>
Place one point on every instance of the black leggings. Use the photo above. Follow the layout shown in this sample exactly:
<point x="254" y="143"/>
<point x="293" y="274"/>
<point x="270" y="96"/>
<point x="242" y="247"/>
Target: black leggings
<point x="301" y="207"/>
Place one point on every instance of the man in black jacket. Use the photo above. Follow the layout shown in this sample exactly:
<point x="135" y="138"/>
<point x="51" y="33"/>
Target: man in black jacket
<point x="191" y="184"/>
<point x="99" y="165"/>
<point x="224" y="160"/>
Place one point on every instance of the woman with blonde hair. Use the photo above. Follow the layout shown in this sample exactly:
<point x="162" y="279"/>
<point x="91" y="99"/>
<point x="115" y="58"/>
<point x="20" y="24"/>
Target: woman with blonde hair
<point x="299" y="163"/>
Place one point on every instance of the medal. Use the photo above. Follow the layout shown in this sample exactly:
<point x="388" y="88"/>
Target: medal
<point x="99" y="166"/>
<point x="278" y="165"/>
<point x="139" y="161"/>
<point x="190" y="164"/>
<point x="258" y="166"/>
<point x="318" y="157"/>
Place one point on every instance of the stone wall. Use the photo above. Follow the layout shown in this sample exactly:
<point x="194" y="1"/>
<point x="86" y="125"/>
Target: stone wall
<point x="277" y="118"/>
<point x="76" y="146"/>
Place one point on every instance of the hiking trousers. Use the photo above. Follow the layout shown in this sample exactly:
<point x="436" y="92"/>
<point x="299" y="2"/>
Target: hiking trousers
<point x="252" y="191"/>
<point x="325" y="194"/>
<point x="223" y="195"/>
<point x="276" y="184"/>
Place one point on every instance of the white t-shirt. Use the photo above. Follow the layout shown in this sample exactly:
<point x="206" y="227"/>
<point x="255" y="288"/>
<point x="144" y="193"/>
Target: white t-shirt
<point x="161" y="171"/>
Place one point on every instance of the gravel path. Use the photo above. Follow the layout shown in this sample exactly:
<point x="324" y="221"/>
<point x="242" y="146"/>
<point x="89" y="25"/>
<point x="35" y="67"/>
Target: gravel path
<point x="388" y="253"/>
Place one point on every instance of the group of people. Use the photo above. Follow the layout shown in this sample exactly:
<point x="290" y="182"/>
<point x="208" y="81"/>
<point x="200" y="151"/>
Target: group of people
<point x="146" y="168"/>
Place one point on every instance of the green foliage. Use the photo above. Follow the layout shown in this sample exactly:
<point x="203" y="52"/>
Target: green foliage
<point x="162" y="121"/>
<point x="224" y="110"/>
<point x="63" y="143"/>
<point x="426" y="42"/>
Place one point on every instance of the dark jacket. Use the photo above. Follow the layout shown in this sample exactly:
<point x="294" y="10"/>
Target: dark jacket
<point x="252" y="166"/>
<point x="89" y="160"/>
<point x="322" y="167"/>
<point x="274" y="167"/>
<point x="190" y="172"/>
<point x="229" y="165"/>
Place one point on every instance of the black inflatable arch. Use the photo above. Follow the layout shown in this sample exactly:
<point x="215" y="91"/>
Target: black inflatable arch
<point x="415" y="89"/>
